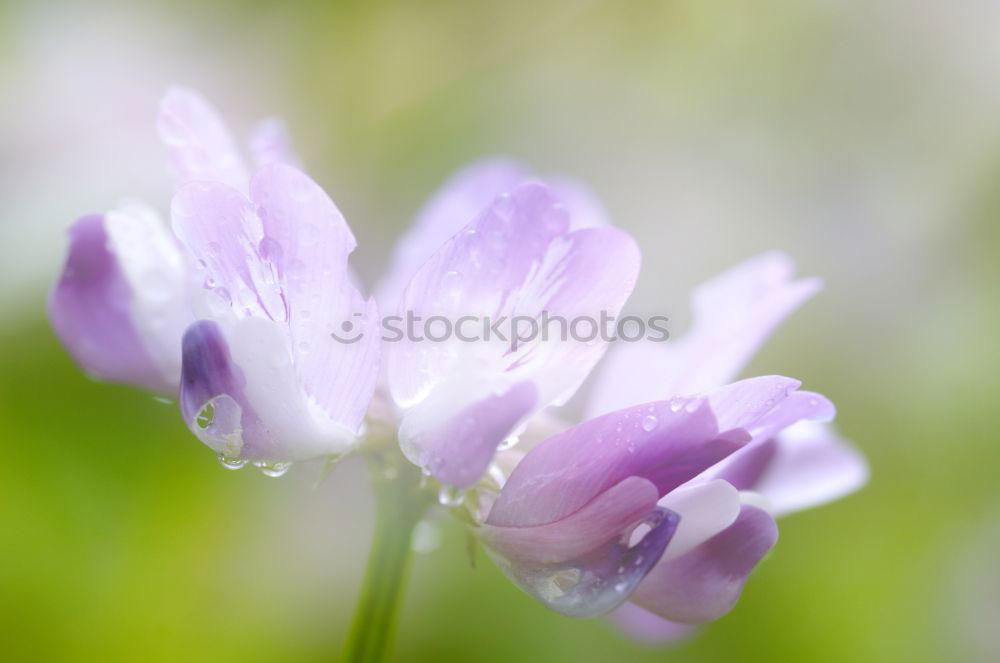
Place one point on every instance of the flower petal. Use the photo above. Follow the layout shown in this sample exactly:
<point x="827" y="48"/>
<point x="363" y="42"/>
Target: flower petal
<point x="806" y="465"/>
<point x="247" y="371"/>
<point x="459" y="201"/>
<point x="457" y="447"/>
<point x="642" y="625"/>
<point x="733" y="314"/>
<point x="198" y="142"/>
<point x="519" y="259"/>
<point x="120" y="305"/>
<point x="221" y="229"/>
<point x="334" y="331"/>
<point x="270" y="143"/>
<point x="666" y="442"/>
<point x="705" y="583"/>
<point x="456" y="203"/>
<point x="582" y="566"/>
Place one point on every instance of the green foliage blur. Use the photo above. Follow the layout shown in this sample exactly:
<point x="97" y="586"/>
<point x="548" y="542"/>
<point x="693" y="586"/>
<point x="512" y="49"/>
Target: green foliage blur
<point x="860" y="137"/>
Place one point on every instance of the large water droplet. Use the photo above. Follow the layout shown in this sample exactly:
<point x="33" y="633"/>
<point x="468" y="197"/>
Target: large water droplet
<point x="232" y="462"/>
<point x="272" y="468"/>
<point x="675" y="404"/>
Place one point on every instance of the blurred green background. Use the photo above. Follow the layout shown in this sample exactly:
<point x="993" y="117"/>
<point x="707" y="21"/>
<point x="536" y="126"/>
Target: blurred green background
<point x="862" y="137"/>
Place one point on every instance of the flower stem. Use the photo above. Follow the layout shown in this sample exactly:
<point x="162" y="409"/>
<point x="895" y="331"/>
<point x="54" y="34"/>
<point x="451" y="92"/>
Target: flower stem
<point x="400" y="503"/>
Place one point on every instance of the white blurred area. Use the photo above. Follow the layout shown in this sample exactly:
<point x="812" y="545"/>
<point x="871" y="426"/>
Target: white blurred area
<point x="850" y="134"/>
<point x="79" y="86"/>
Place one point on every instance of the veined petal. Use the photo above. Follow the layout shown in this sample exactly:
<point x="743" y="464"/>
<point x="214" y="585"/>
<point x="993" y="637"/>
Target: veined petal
<point x="705" y="583"/>
<point x="334" y="331"/>
<point x="222" y="230"/>
<point x="460" y="200"/>
<point x="733" y="314"/>
<point x="456" y="203"/>
<point x="121" y="303"/>
<point x="245" y="377"/>
<point x="666" y="442"/>
<point x="583" y="566"/>
<point x="198" y="142"/>
<point x="519" y="259"/>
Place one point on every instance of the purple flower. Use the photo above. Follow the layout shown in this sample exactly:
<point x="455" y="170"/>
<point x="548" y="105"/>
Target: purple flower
<point x="519" y="257"/>
<point x="790" y="461"/>
<point x="655" y="508"/>
<point x="235" y="314"/>
<point x="122" y="301"/>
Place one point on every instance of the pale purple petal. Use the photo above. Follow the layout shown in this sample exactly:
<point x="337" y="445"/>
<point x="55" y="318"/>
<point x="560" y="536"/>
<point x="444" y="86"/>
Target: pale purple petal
<point x="198" y="143"/>
<point x="453" y="206"/>
<point x="91" y="311"/>
<point x="666" y="442"/>
<point x="245" y="375"/>
<point x="461" y="199"/>
<point x="518" y="259"/>
<point x="270" y="143"/>
<point x="645" y="627"/>
<point x="806" y="465"/>
<point x="585" y="209"/>
<point x="306" y="241"/>
<point x="222" y="230"/>
<point x="122" y="301"/>
<point x="457" y="446"/>
<point x="583" y="566"/>
<point x="705" y="583"/>
<point x="733" y="314"/>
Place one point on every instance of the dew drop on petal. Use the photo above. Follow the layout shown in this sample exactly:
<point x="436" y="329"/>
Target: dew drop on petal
<point x="231" y="462"/>
<point x="508" y="442"/>
<point x="649" y="422"/>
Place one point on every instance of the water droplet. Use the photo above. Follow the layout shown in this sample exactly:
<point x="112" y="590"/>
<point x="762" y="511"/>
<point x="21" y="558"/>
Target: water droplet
<point x="231" y="462"/>
<point x="631" y="447"/>
<point x="205" y="416"/>
<point x="649" y="423"/>
<point x="621" y="587"/>
<point x="269" y="249"/>
<point x="508" y="442"/>
<point x="676" y="404"/>
<point x="450" y="496"/>
<point x="272" y="468"/>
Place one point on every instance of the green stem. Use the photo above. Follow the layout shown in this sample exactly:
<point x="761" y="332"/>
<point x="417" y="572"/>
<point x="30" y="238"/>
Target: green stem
<point x="400" y="503"/>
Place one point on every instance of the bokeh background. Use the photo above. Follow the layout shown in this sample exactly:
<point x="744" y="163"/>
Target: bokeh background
<point x="861" y="137"/>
